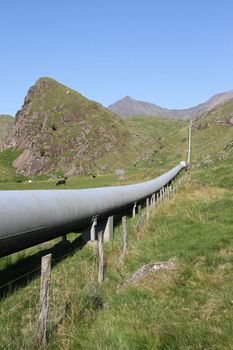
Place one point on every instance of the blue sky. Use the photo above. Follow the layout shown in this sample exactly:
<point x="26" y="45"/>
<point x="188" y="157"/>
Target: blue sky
<point x="175" y="53"/>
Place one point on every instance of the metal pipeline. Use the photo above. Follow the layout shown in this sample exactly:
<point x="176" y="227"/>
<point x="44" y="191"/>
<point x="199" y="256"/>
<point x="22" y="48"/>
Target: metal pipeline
<point x="30" y="217"/>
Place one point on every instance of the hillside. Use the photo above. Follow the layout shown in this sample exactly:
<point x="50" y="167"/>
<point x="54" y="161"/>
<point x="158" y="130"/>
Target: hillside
<point x="6" y="122"/>
<point x="129" y="107"/>
<point x="213" y="135"/>
<point x="58" y="130"/>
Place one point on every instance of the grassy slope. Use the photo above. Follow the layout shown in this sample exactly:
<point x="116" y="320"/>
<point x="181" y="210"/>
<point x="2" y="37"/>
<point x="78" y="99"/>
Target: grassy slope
<point x="6" y="122"/>
<point x="189" y="308"/>
<point x="211" y="136"/>
<point x="7" y="172"/>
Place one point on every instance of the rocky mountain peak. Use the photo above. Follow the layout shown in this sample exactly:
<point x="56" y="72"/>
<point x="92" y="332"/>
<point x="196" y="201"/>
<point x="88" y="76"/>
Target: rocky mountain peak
<point x="58" y="129"/>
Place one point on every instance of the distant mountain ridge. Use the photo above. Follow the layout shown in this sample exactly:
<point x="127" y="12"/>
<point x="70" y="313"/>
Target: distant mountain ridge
<point x="129" y="107"/>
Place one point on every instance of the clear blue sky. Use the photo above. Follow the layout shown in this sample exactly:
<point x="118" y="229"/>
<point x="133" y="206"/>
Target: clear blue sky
<point x="175" y="53"/>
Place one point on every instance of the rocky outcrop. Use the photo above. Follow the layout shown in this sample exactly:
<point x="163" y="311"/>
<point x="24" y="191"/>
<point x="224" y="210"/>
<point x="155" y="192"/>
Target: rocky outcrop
<point x="58" y="130"/>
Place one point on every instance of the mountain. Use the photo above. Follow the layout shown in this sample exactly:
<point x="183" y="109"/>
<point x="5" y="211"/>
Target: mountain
<point x="60" y="131"/>
<point x="129" y="107"/>
<point x="6" y="122"/>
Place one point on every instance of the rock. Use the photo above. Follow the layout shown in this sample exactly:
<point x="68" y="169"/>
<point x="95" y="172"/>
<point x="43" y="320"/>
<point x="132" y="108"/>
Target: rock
<point x="146" y="269"/>
<point x="72" y="171"/>
<point x="103" y="167"/>
<point x="208" y="161"/>
<point x="120" y="172"/>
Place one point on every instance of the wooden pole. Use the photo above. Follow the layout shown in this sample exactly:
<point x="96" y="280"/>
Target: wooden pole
<point x="124" y="234"/>
<point x="44" y="298"/>
<point x="101" y="256"/>
<point x="189" y="142"/>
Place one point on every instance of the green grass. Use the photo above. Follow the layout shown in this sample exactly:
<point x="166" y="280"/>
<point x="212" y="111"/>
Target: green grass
<point x="186" y="308"/>
<point x="6" y="123"/>
<point x="7" y="172"/>
<point x="189" y="308"/>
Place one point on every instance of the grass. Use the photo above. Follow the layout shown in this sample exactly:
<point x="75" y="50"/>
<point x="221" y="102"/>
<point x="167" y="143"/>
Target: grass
<point x="6" y="122"/>
<point x="186" y="308"/>
<point x="7" y="172"/>
<point x="189" y="308"/>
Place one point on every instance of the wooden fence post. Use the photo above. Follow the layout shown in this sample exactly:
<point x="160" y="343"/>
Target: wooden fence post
<point x="124" y="234"/>
<point x="44" y="298"/>
<point x="101" y="256"/>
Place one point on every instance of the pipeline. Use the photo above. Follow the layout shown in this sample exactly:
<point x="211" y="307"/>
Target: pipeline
<point x="30" y="217"/>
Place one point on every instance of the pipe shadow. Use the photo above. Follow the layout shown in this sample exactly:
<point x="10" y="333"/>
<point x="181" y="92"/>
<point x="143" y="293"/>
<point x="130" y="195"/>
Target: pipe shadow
<point x="25" y="270"/>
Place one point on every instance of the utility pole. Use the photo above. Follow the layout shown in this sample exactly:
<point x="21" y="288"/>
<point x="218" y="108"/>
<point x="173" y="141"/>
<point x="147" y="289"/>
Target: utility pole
<point x="189" y="143"/>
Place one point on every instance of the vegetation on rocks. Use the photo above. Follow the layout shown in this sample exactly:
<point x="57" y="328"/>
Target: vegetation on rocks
<point x="58" y="129"/>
